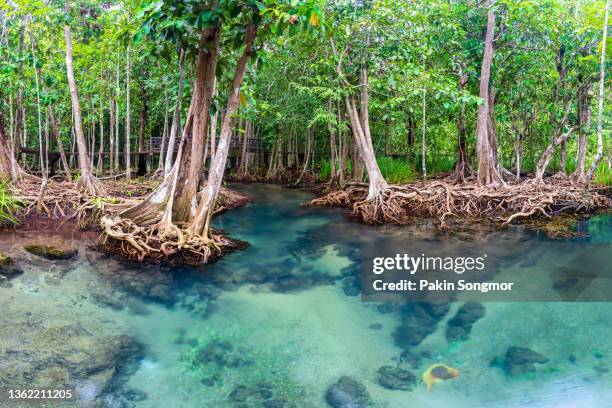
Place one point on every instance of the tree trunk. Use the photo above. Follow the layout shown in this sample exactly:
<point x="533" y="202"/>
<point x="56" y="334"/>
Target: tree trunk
<point x="101" y="146"/>
<point x="602" y="74"/>
<point x="193" y="149"/>
<point x="142" y="158"/>
<point x="58" y="139"/>
<point x="6" y="155"/>
<point x="306" y="156"/>
<point x="463" y="169"/>
<point x="87" y="182"/>
<point x="160" y="164"/>
<point x="116" y="104"/>
<point x="201" y="221"/>
<point x="423" y="141"/>
<point x="487" y="166"/>
<point x="128" y="68"/>
<point x="361" y="131"/>
<point x="549" y="152"/>
<point x="19" y="115"/>
<point x="111" y="128"/>
<point x="176" y="115"/>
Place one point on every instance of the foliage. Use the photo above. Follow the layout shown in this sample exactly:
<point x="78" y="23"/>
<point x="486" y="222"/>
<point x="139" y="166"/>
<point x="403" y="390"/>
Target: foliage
<point x="9" y="205"/>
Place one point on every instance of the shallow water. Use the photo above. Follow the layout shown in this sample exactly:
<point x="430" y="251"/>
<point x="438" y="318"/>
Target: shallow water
<point x="285" y="319"/>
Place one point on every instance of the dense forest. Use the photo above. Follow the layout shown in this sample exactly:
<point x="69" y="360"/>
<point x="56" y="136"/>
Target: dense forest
<point x="495" y="109"/>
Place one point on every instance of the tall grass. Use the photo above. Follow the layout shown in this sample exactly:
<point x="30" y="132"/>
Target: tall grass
<point x="9" y="205"/>
<point x="603" y="174"/>
<point x="396" y="170"/>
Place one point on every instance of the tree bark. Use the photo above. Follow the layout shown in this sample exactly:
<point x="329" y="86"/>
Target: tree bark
<point x="176" y="115"/>
<point x="193" y="149"/>
<point x="423" y="141"/>
<point x="160" y="164"/>
<point x="602" y="75"/>
<point x="87" y="182"/>
<point x="549" y="152"/>
<point x="128" y="68"/>
<point x="19" y="114"/>
<point x="142" y="158"/>
<point x="111" y="128"/>
<point x="58" y="139"/>
<point x="487" y="166"/>
<point x="201" y="221"/>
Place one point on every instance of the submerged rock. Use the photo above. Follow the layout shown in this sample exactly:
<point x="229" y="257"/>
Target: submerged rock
<point x="351" y="285"/>
<point x="519" y="360"/>
<point x="460" y="326"/>
<point x="8" y="269"/>
<point x="395" y="378"/>
<point x="419" y="320"/>
<point x="133" y="394"/>
<point x="51" y="252"/>
<point x="242" y="393"/>
<point x="413" y="359"/>
<point x="347" y="393"/>
<point x="150" y="282"/>
<point x="64" y="356"/>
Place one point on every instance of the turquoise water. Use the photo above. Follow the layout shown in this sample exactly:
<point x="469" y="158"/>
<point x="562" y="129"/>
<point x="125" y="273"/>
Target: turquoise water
<point x="278" y="323"/>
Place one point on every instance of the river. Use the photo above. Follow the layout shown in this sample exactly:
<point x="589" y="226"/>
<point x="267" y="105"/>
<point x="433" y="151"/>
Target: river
<point x="278" y="323"/>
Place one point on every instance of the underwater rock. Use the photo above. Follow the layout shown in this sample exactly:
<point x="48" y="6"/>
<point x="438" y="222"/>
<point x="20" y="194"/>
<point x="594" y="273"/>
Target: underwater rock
<point x="8" y="269"/>
<point x="150" y="282"/>
<point x="132" y="394"/>
<point x="519" y="360"/>
<point x="347" y="393"/>
<point x="413" y="359"/>
<point x="222" y="353"/>
<point x="419" y="320"/>
<point x="460" y="326"/>
<point x="51" y="252"/>
<point x="242" y="393"/>
<point x="110" y="299"/>
<point x="64" y="356"/>
<point x="395" y="378"/>
<point x="375" y="326"/>
<point x="351" y="285"/>
<point x="293" y="283"/>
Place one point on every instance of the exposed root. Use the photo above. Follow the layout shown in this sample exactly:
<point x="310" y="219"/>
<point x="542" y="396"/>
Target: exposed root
<point x="447" y="202"/>
<point x="161" y="242"/>
<point x="89" y="184"/>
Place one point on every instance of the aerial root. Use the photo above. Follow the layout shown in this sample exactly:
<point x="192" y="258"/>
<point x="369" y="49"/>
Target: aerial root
<point x="447" y="202"/>
<point x="161" y="241"/>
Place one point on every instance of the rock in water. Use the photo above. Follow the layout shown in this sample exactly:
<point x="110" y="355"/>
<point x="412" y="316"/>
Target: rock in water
<point x="347" y="393"/>
<point x="419" y="320"/>
<point x="519" y="360"/>
<point x="395" y="378"/>
<point x="460" y="326"/>
<point x="51" y="252"/>
<point x="8" y="269"/>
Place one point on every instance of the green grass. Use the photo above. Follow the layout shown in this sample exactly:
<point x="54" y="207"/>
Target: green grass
<point x="396" y="170"/>
<point x="603" y="174"/>
<point x="9" y="205"/>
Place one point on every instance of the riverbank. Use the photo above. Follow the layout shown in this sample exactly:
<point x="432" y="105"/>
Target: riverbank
<point x="548" y="205"/>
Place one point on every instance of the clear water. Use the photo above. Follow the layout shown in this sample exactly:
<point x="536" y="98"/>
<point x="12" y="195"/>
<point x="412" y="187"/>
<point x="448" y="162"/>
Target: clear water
<point x="284" y="313"/>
